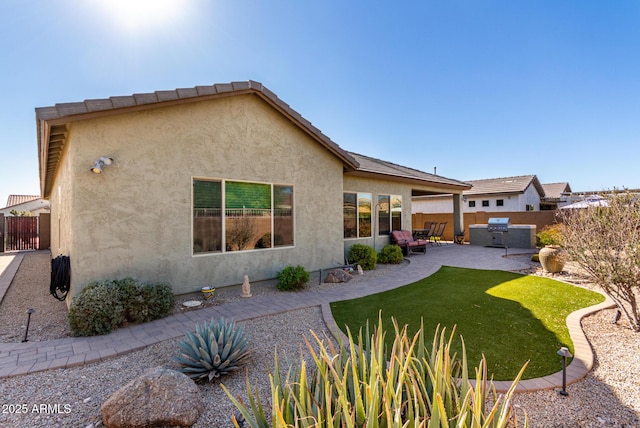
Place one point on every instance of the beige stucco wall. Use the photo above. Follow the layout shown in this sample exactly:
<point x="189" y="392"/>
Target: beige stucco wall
<point x="135" y="218"/>
<point x="60" y="200"/>
<point x="378" y="187"/>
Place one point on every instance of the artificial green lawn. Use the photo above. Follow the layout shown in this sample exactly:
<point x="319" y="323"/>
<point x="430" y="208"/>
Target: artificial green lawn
<point x="509" y="317"/>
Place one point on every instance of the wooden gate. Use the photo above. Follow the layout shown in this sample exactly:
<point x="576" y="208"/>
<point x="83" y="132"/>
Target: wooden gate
<point x="21" y="233"/>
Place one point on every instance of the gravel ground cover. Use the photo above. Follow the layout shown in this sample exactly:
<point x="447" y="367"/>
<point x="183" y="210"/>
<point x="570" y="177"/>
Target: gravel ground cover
<point x="608" y="397"/>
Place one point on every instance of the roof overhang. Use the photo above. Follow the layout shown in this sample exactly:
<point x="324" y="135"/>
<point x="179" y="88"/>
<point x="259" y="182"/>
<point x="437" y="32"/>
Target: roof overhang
<point x="441" y="187"/>
<point x="53" y="122"/>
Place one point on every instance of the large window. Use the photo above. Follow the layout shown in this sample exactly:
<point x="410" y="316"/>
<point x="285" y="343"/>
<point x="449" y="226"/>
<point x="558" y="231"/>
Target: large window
<point x="255" y="216"/>
<point x="364" y="215"/>
<point x="389" y="213"/>
<point x="356" y="209"/>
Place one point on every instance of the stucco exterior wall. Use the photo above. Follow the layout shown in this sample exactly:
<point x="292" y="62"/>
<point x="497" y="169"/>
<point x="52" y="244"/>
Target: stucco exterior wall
<point x="378" y="187"/>
<point x="530" y="197"/>
<point x="435" y="205"/>
<point x="62" y="230"/>
<point x="135" y="219"/>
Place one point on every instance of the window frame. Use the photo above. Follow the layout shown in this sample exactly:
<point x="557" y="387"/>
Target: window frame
<point x="224" y="216"/>
<point x="358" y="214"/>
<point x="485" y="203"/>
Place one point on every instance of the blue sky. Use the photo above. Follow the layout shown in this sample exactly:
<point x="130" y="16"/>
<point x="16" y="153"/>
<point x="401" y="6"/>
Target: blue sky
<point x="478" y="89"/>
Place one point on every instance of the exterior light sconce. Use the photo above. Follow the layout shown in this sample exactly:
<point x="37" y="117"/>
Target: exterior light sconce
<point x="102" y="161"/>
<point x="564" y="353"/>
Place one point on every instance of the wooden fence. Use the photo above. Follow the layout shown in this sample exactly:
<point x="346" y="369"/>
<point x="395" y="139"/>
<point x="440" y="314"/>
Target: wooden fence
<point x="24" y="233"/>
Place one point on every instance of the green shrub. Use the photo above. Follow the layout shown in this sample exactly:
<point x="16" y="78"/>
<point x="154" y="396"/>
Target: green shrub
<point x="390" y="254"/>
<point x="159" y="299"/>
<point x="549" y="235"/>
<point x="105" y="305"/>
<point x="215" y="349"/>
<point x="96" y="310"/>
<point x="364" y="383"/>
<point x="292" y="278"/>
<point x="363" y="255"/>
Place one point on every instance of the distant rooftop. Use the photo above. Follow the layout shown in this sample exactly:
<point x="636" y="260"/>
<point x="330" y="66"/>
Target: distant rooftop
<point x="20" y="199"/>
<point x="516" y="184"/>
<point x="556" y="190"/>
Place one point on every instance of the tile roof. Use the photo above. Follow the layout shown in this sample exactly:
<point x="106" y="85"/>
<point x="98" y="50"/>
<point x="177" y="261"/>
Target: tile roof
<point x="502" y="185"/>
<point x="378" y="166"/>
<point x="20" y="199"/>
<point x="52" y="121"/>
<point x="555" y="190"/>
<point x="52" y="128"/>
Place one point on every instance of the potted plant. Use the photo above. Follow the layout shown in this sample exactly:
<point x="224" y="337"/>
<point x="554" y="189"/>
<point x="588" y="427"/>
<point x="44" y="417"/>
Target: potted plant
<point x="552" y="256"/>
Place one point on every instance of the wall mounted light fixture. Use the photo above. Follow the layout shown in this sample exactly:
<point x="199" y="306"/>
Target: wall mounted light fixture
<point x="102" y="161"/>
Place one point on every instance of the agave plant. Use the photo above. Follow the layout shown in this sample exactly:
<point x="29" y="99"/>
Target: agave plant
<point x="215" y="349"/>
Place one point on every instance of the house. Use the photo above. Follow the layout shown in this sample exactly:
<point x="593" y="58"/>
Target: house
<point x="507" y="194"/>
<point x="31" y="205"/>
<point x="201" y="186"/>
<point x="555" y="195"/>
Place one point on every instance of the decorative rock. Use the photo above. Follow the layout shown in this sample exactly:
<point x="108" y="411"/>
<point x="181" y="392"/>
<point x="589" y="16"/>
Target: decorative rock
<point x="360" y="271"/>
<point x="246" y="287"/>
<point x="337" y="276"/>
<point x="160" y="397"/>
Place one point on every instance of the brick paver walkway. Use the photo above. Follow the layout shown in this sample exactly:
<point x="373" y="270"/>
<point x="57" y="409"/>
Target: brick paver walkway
<point x="23" y="358"/>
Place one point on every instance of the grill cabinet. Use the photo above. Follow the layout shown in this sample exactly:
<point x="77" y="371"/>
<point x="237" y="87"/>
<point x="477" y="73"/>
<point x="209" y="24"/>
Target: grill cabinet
<point x="498" y="226"/>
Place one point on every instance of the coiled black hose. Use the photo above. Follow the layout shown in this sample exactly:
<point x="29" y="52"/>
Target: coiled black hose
<point x="60" y="277"/>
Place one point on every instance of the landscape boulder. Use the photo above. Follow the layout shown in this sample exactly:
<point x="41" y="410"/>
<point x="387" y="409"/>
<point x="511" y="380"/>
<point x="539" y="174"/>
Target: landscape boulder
<point x="159" y="397"/>
<point x="336" y="276"/>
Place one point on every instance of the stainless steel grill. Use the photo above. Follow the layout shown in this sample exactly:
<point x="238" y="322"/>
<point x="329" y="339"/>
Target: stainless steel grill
<point x="498" y="224"/>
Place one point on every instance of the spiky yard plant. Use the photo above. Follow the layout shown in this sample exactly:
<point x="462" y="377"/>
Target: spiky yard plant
<point x="215" y="349"/>
<point x="363" y="384"/>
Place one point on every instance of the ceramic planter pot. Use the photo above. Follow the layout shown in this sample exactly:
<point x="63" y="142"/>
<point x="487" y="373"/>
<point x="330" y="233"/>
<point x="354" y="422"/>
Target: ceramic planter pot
<point x="552" y="258"/>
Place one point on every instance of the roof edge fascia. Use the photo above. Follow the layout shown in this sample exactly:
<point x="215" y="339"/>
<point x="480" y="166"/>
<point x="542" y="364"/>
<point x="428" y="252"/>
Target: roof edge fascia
<point x="408" y="180"/>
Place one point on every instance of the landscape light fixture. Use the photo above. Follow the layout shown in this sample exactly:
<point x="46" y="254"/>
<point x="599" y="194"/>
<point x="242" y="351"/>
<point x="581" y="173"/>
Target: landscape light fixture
<point x="564" y="353"/>
<point x="102" y="161"/>
<point x="26" y="332"/>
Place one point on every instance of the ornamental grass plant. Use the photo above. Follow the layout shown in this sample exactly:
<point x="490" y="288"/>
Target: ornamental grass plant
<point x="365" y="383"/>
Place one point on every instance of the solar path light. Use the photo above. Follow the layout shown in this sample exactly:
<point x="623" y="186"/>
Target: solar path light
<point x="26" y="332"/>
<point x="564" y="353"/>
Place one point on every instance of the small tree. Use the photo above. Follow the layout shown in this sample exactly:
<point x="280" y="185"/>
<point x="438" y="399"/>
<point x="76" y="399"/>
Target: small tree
<point x="604" y="239"/>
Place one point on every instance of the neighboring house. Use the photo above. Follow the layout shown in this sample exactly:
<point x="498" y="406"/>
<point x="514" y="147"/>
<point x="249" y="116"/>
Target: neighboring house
<point x="33" y="205"/>
<point x="508" y="194"/>
<point x="555" y="195"/>
<point x="202" y="186"/>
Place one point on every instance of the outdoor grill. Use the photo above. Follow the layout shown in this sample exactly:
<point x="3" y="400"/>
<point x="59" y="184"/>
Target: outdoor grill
<point x="498" y="224"/>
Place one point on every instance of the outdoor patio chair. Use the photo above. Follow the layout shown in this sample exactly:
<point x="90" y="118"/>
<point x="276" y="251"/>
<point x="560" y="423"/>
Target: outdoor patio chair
<point x="437" y="236"/>
<point x="432" y="231"/>
<point x="404" y="239"/>
<point x="429" y="228"/>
